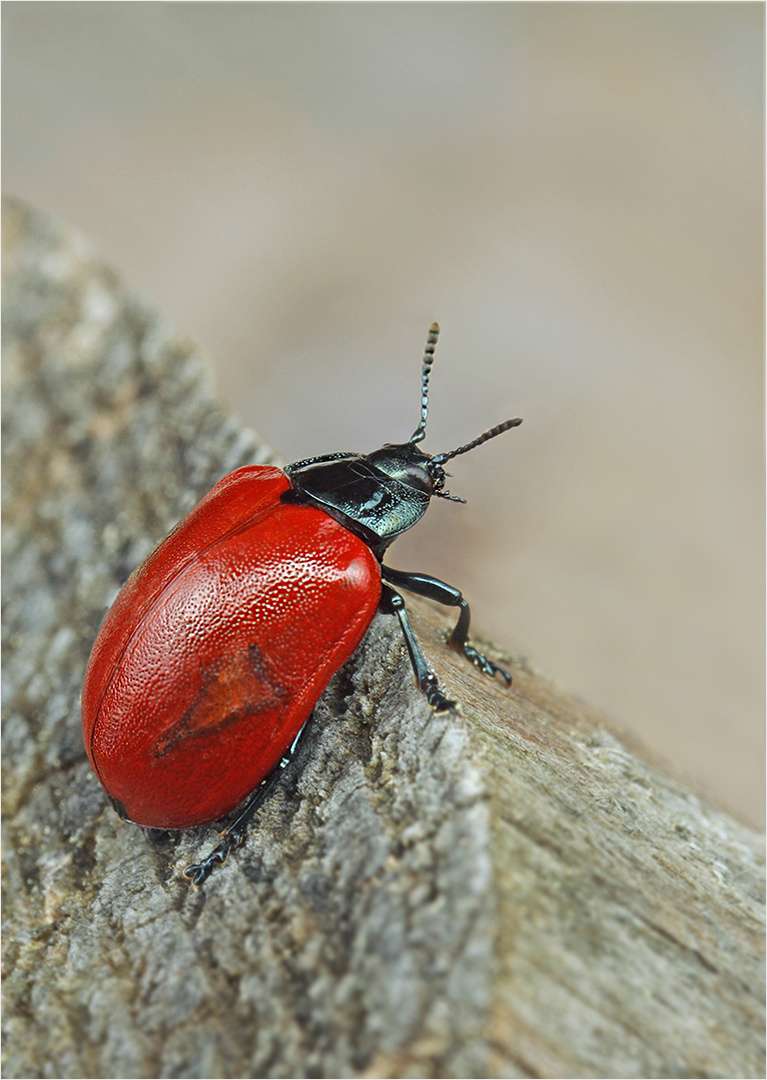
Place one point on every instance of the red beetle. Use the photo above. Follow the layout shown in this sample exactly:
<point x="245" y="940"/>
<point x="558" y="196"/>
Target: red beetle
<point x="216" y="650"/>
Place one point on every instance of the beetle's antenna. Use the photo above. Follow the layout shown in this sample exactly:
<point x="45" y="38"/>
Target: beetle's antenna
<point x="440" y="459"/>
<point x="428" y="359"/>
<point x="434" y="465"/>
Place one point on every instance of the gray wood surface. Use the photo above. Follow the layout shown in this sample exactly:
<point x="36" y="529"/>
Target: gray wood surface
<point x="512" y="892"/>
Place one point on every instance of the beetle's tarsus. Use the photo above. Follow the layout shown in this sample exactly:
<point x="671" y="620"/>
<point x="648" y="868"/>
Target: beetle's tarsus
<point x="232" y="839"/>
<point x="199" y="872"/>
<point x="438" y="701"/>
<point x="485" y="665"/>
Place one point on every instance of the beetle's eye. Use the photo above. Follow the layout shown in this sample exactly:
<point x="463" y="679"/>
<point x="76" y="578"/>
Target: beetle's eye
<point x="418" y="477"/>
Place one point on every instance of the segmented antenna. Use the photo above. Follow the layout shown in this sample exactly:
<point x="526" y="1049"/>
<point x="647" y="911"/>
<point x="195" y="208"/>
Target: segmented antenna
<point x="428" y="359"/>
<point x="434" y="465"/>
<point x="440" y="459"/>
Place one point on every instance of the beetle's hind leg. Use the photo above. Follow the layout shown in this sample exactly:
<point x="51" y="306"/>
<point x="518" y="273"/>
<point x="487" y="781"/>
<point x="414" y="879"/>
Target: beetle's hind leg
<point x="233" y="835"/>
<point x="434" y="589"/>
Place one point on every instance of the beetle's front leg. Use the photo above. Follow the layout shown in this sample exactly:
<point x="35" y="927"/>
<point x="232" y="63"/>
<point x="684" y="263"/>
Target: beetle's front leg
<point x="393" y="604"/>
<point x="434" y="589"/>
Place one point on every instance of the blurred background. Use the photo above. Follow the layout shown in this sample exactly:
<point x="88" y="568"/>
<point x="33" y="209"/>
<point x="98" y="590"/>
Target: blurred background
<point x="574" y="191"/>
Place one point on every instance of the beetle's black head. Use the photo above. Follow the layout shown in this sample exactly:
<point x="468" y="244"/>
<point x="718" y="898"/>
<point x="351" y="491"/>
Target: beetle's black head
<point x="380" y="495"/>
<point x="405" y="463"/>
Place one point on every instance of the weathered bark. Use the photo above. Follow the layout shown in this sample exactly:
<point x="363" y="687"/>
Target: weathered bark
<point x="510" y="892"/>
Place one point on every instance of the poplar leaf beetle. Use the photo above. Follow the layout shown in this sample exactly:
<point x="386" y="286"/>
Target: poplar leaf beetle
<point x="211" y="659"/>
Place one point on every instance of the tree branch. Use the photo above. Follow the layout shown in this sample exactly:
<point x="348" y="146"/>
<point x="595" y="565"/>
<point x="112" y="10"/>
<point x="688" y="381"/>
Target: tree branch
<point x="510" y="892"/>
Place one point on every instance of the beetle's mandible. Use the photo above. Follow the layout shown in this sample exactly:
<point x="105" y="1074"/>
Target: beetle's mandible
<point x="212" y="657"/>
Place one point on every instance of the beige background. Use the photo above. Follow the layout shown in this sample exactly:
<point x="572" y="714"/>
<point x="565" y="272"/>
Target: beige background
<point x="574" y="191"/>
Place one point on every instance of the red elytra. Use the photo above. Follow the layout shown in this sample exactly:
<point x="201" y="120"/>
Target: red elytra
<point x="218" y="647"/>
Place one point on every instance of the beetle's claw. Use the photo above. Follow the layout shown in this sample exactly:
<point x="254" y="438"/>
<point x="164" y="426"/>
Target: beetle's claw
<point x="197" y="872"/>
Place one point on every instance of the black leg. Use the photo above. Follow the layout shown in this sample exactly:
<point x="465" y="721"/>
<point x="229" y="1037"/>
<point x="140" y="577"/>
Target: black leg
<point x="393" y="604"/>
<point x="234" y="834"/>
<point x="446" y="594"/>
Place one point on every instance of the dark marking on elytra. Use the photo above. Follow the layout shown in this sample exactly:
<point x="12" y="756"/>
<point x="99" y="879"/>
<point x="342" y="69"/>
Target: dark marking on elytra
<point x="234" y="689"/>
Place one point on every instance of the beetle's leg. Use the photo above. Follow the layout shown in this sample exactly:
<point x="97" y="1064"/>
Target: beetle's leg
<point x="393" y="604"/>
<point x="434" y="589"/>
<point x="234" y="834"/>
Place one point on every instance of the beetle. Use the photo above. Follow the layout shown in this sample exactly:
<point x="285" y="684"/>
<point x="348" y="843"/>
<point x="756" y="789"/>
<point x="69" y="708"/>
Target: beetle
<point x="212" y="657"/>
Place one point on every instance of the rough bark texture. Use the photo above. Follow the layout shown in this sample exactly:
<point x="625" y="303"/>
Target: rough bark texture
<point x="511" y="892"/>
